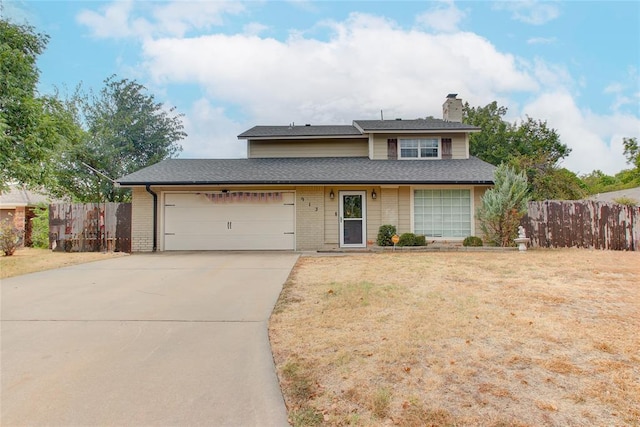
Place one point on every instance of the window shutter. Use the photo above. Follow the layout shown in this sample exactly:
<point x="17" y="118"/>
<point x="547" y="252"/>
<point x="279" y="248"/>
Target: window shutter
<point x="392" y="149"/>
<point x="446" y="148"/>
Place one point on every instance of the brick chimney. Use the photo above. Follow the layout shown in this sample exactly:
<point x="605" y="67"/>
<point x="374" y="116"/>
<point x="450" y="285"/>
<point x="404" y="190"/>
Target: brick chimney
<point x="452" y="109"/>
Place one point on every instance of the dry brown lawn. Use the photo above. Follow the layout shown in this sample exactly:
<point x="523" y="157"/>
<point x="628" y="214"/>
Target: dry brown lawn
<point x="546" y="337"/>
<point x="30" y="260"/>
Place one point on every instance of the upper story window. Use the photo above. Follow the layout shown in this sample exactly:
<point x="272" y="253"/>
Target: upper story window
<point x="419" y="148"/>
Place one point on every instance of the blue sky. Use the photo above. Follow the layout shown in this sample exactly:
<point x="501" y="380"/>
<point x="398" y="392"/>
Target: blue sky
<point x="231" y="65"/>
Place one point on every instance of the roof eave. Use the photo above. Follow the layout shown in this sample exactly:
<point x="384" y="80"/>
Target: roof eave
<point x="413" y="131"/>
<point x="310" y="182"/>
<point x="266" y="138"/>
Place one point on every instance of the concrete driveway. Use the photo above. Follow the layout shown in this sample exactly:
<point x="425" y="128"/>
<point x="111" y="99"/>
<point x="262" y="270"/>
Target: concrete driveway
<point x="149" y="340"/>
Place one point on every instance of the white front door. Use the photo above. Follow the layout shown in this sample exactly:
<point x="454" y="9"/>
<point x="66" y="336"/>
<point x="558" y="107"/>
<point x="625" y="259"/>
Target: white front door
<point x="353" y="224"/>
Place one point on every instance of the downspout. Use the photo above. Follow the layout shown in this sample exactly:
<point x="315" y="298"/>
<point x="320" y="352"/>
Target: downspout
<point x="155" y="216"/>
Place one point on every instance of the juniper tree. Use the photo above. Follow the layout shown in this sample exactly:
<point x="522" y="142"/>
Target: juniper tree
<point x="503" y="206"/>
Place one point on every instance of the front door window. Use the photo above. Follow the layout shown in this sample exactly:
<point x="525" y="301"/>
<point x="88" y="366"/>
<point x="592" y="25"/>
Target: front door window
<point x="352" y="219"/>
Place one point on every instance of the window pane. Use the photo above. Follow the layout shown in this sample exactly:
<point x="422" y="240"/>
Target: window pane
<point x="352" y="206"/>
<point x="442" y="213"/>
<point x="419" y="148"/>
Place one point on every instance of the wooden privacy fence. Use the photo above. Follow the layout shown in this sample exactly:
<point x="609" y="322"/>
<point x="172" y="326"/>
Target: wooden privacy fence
<point x="90" y="227"/>
<point x="583" y="224"/>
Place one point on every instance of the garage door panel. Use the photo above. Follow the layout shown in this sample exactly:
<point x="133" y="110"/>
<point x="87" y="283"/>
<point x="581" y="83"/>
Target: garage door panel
<point x="194" y="222"/>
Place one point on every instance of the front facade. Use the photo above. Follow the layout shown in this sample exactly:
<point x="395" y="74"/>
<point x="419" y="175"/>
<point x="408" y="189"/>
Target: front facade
<point x="316" y="188"/>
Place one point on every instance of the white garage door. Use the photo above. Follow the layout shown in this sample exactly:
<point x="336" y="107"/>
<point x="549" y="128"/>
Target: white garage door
<point x="229" y="221"/>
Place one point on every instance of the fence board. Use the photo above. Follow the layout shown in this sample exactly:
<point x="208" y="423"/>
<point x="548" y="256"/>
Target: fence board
<point x="90" y="227"/>
<point x="583" y="224"/>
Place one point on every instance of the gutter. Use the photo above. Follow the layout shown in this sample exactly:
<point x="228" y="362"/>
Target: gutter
<point x="310" y="182"/>
<point x="155" y="216"/>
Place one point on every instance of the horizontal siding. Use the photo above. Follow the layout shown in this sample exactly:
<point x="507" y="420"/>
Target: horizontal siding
<point x="458" y="146"/>
<point x="374" y="215"/>
<point x="404" y="210"/>
<point x="389" y="208"/>
<point x="309" y="148"/>
<point x="380" y="147"/>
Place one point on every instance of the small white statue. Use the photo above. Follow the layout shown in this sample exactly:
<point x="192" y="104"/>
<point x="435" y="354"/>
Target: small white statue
<point x="522" y="239"/>
<point x="521" y="233"/>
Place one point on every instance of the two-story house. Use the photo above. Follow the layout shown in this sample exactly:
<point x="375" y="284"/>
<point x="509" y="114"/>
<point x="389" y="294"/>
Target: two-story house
<point x="316" y="188"/>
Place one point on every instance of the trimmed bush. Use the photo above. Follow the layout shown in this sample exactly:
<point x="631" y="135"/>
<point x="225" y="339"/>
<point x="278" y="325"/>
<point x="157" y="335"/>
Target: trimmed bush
<point x="10" y="237"/>
<point x="385" y="233"/>
<point x="472" y="241"/>
<point x="410" y="239"/>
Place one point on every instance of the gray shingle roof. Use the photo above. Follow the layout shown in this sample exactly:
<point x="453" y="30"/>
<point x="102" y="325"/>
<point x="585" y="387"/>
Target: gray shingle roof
<point x="359" y="128"/>
<point x="409" y="125"/>
<point x="299" y="131"/>
<point x="322" y="170"/>
<point x="19" y="196"/>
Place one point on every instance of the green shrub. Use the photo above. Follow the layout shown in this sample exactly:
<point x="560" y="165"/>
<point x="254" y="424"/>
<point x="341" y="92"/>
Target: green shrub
<point x="627" y="201"/>
<point x="503" y="206"/>
<point x="472" y="241"/>
<point x="40" y="228"/>
<point x="10" y="237"/>
<point x="410" y="239"/>
<point x="385" y="232"/>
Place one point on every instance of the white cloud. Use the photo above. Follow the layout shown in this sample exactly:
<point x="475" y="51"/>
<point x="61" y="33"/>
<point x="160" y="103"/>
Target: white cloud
<point x="595" y="140"/>
<point x="625" y="94"/>
<point x="254" y="29"/>
<point x="211" y="134"/>
<point x="112" y="21"/>
<point x="530" y="11"/>
<point x="124" y="18"/>
<point x="542" y="40"/>
<point x="444" y="17"/>
<point x="369" y="64"/>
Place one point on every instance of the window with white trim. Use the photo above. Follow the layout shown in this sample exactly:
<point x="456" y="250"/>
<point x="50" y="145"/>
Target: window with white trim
<point x="419" y="148"/>
<point x="442" y="213"/>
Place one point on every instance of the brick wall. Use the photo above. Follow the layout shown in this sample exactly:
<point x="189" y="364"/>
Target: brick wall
<point x="141" y="221"/>
<point x="309" y="218"/>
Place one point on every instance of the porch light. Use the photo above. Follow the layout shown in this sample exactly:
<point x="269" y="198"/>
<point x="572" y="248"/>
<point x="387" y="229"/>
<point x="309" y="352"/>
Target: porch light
<point x="331" y="195"/>
<point x="374" y="195"/>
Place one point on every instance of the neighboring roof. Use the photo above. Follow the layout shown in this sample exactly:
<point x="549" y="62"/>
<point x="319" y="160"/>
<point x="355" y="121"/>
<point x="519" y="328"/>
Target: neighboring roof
<point x="312" y="170"/>
<point x="370" y="126"/>
<point x="19" y="196"/>
<point x="359" y="129"/>
<point x="632" y="193"/>
<point x="300" y="131"/>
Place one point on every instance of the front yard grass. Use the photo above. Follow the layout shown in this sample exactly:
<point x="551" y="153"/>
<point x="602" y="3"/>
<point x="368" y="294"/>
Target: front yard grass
<point x="546" y="337"/>
<point x="31" y="260"/>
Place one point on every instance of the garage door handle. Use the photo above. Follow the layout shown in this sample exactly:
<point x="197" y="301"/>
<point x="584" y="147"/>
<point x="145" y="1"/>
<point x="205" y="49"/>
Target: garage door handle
<point x="169" y="234"/>
<point x="289" y="232"/>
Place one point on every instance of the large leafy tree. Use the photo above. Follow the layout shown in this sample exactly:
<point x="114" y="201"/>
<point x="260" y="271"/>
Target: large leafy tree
<point x="126" y="129"/>
<point x="530" y="146"/>
<point x="32" y="127"/>
<point x="632" y="153"/>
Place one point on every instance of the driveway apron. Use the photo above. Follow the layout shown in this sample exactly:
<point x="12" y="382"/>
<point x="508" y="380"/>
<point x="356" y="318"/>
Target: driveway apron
<point x="165" y="339"/>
